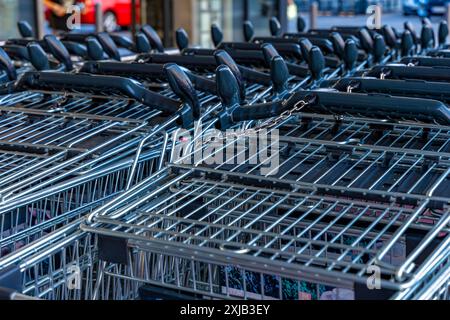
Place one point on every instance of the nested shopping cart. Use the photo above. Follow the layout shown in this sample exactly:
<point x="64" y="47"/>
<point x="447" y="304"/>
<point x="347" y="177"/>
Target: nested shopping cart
<point x="65" y="151"/>
<point x="59" y="289"/>
<point x="350" y="199"/>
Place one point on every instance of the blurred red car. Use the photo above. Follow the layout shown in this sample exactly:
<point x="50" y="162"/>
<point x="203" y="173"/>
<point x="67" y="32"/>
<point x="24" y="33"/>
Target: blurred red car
<point x="116" y="13"/>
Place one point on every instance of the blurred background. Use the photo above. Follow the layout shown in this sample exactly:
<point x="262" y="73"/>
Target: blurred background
<point x="196" y="16"/>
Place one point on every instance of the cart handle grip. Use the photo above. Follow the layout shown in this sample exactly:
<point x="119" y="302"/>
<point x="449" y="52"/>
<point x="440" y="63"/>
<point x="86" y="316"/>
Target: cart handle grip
<point x="249" y="31"/>
<point x="59" y="51"/>
<point x="7" y="65"/>
<point x="334" y="102"/>
<point x="96" y="84"/>
<point x="153" y="38"/>
<point x="216" y="35"/>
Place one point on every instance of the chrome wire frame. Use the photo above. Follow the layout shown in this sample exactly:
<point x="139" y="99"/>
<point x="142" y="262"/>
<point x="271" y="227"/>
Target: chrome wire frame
<point x="69" y="200"/>
<point x="346" y="193"/>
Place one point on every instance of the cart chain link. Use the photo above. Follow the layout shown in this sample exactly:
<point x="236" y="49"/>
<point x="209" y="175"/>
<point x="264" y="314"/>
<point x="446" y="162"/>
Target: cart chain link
<point x="267" y="125"/>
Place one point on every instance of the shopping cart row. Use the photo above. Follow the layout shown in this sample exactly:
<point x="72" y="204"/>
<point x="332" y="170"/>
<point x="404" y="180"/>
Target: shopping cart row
<point x="333" y="182"/>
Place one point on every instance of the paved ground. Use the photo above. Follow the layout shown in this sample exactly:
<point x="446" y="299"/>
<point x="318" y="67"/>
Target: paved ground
<point x="394" y="19"/>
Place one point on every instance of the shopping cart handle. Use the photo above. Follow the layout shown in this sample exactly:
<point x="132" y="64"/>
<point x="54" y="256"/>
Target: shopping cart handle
<point x="25" y="29"/>
<point x="142" y="43"/>
<point x="366" y="40"/>
<point x="7" y="65"/>
<point x="316" y="63"/>
<point x="411" y="72"/>
<point x="443" y="33"/>
<point x="409" y="88"/>
<point x="109" y="45"/>
<point x="75" y="48"/>
<point x="227" y="89"/>
<point x="249" y="31"/>
<point x="182" y="86"/>
<point x="301" y="24"/>
<point x="426" y="61"/>
<point x="38" y="57"/>
<point x="285" y="47"/>
<point x="122" y="41"/>
<point x="439" y="53"/>
<point x="223" y="58"/>
<point x="17" y="52"/>
<point x="275" y="27"/>
<point x="375" y="106"/>
<point x="183" y="60"/>
<point x="389" y="36"/>
<point x="427" y="37"/>
<point x="182" y="39"/>
<point x="153" y="38"/>
<point x="338" y="44"/>
<point x="96" y="85"/>
<point x="216" y="35"/>
<point x="407" y="44"/>
<point x="143" y="71"/>
<point x="350" y="54"/>
<point x="95" y="50"/>
<point x="278" y="69"/>
<point x="379" y="48"/>
<point x="59" y="51"/>
<point x="410" y="27"/>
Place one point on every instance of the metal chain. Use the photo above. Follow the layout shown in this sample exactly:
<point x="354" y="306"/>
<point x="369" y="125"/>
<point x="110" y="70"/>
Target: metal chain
<point x="269" y="124"/>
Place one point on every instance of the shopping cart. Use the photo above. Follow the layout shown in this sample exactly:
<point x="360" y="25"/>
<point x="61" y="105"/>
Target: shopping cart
<point x="52" y="291"/>
<point x="77" y="151"/>
<point x="59" y="266"/>
<point x="346" y="198"/>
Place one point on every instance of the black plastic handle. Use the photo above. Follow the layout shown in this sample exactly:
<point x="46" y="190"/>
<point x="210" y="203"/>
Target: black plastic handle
<point x="406" y="72"/>
<point x="350" y="54"/>
<point x="410" y="27"/>
<point x="275" y="27"/>
<point x="366" y="40"/>
<point x="316" y="63"/>
<point x="249" y="31"/>
<point x="109" y="45"/>
<point x="25" y="29"/>
<point x="338" y="44"/>
<point x="75" y="48"/>
<point x="443" y="33"/>
<point x="426" y="61"/>
<point x="223" y="58"/>
<point x="407" y="44"/>
<point x="427" y="37"/>
<point x="278" y="69"/>
<point x="379" y="48"/>
<point x="182" y="39"/>
<point x="216" y="35"/>
<point x="153" y="38"/>
<point x="188" y="61"/>
<point x="38" y="57"/>
<point x="379" y="106"/>
<point x="389" y="36"/>
<point x="369" y="105"/>
<point x="301" y="24"/>
<point x="408" y="88"/>
<point x="17" y="52"/>
<point x="94" y="49"/>
<point x="144" y="71"/>
<point x="96" y="85"/>
<point x="227" y="89"/>
<point x="7" y="65"/>
<point x="59" y="51"/>
<point x="142" y="43"/>
<point x="305" y="46"/>
<point x="182" y="86"/>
